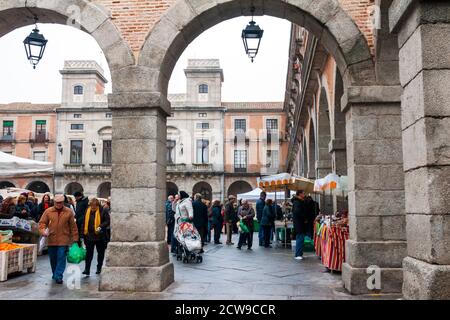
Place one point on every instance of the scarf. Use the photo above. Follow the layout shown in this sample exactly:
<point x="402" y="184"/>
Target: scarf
<point x="96" y="221"/>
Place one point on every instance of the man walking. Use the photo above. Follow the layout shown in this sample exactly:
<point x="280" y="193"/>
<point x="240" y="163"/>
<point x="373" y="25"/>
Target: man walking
<point x="58" y="224"/>
<point x="230" y="211"/>
<point x="260" y="203"/>
<point x="300" y="219"/>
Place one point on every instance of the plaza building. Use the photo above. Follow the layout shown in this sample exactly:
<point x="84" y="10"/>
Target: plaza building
<point x="84" y="132"/>
<point x="29" y="131"/>
<point x="395" y="101"/>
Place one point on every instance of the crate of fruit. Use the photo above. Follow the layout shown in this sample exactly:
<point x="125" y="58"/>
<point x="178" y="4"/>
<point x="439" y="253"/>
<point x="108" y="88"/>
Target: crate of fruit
<point x="17" y="258"/>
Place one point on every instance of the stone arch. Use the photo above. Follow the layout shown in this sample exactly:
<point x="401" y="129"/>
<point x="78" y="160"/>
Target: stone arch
<point x="323" y="134"/>
<point x="38" y="187"/>
<point x="187" y="19"/>
<point x="204" y="188"/>
<point x="73" y="187"/>
<point x="104" y="190"/>
<point x="86" y="15"/>
<point x="6" y="184"/>
<point x="171" y="188"/>
<point x="305" y="157"/>
<point x="311" y="151"/>
<point x="238" y="187"/>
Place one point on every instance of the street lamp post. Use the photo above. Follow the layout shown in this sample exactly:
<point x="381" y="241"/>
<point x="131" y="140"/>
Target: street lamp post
<point x="251" y="37"/>
<point x="35" y="45"/>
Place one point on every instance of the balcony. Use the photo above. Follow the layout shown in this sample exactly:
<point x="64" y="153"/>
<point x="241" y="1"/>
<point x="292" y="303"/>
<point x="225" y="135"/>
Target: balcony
<point x="240" y="170"/>
<point x="74" y="167"/>
<point x="39" y="137"/>
<point x="100" y="167"/>
<point x="173" y="167"/>
<point x="196" y="167"/>
<point x="204" y="167"/>
<point x="8" y="138"/>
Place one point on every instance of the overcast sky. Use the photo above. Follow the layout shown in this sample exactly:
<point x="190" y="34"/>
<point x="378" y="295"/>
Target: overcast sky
<point x="262" y="80"/>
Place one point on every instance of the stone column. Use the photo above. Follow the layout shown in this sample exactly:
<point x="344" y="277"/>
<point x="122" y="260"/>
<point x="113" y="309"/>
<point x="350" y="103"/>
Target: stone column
<point x="338" y="153"/>
<point x="137" y="258"/>
<point x="423" y="35"/>
<point x="376" y="189"/>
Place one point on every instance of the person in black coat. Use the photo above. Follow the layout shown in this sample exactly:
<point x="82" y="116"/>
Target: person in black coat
<point x="268" y="221"/>
<point x="80" y="209"/>
<point x="313" y="210"/>
<point x="200" y="217"/>
<point x="300" y="219"/>
<point x="217" y="220"/>
<point x="44" y="205"/>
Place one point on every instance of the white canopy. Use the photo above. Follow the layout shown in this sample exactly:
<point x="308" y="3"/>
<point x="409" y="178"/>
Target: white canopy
<point x="254" y="195"/>
<point x="14" y="166"/>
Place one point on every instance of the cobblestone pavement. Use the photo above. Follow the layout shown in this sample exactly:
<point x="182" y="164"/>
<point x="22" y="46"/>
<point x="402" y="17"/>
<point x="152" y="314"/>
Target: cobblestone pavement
<point x="225" y="274"/>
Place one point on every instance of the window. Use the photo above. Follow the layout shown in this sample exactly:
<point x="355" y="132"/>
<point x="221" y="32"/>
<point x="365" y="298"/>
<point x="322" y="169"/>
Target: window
<point x="240" y="125"/>
<point x="76" y="152"/>
<point x="108" y="115"/>
<point x="77" y="126"/>
<point x="77" y="115"/>
<point x="107" y="157"/>
<point x="240" y="160"/>
<point x="41" y="129"/>
<point x="272" y="159"/>
<point x="8" y="129"/>
<point x="203" y="88"/>
<point x="271" y="124"/>
<point x="202" y="115"/>
<point x="203" y="125"/>
<point x="78" y="90"/>
<point x="202" y="151"/>
<point x="171" y="144"/>
<point x="39" y="156"/>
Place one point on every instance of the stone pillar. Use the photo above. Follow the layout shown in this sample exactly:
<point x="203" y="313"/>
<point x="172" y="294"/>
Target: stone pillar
<point x="423" y="35"/>
<point x="376" y="188"/>
<point x="339" y="166"/>
<point x="137" y="258"/>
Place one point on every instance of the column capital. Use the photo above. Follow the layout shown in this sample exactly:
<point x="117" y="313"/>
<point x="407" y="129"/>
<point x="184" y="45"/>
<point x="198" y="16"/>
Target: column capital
<point x="370" y="95"/>
<point x="336" y="145"/>
<point x="139" y="100"/>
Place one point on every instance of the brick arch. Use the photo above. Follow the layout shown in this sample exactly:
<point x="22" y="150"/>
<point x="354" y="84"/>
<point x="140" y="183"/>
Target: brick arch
<point x="187" y="19"/>
<point x="89" y="17"/>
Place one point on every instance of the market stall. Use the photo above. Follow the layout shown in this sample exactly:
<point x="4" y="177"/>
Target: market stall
<point x="255" y="194"/>
<point x="331" y="230"/>
<point x="12" y="166"/>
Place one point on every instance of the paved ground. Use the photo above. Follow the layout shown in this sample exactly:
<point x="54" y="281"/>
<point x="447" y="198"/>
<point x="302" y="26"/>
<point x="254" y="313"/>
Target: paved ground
<point x="225" y="274"/>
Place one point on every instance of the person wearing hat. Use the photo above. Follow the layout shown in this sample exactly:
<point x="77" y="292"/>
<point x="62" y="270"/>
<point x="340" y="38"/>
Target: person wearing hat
<point x="80" y="209"/>
<point x="58" y="224"/>
<point x="230" y="212"/>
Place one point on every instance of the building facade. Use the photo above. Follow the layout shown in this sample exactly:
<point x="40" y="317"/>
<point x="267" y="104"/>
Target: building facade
<point x="84" y="133"/>
<point x="255" y="143"/>
<point x="29" y="131"/>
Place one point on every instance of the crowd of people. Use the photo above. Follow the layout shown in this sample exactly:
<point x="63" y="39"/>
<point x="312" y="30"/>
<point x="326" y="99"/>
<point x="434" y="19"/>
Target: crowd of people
<point x="225" y="218"/>
<point x="65" y="220"/>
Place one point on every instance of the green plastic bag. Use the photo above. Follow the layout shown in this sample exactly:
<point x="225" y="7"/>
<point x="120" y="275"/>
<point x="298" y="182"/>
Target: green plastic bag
<point x="76" y="254"/>
<point x="244" y="228"/>
<point x="255" y="225"/>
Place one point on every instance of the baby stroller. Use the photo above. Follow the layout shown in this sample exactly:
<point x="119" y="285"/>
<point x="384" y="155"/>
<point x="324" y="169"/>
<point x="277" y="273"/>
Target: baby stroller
<point x="189" y="243"/>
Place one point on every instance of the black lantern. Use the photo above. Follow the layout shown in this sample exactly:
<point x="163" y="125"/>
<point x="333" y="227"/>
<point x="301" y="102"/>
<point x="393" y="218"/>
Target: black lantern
<point x="94" y="148"/>
<point x="35" y="45"/>
<point x="251" y="36"/>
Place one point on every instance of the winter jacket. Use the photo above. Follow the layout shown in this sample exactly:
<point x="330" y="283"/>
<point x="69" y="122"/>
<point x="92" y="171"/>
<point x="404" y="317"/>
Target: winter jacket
<point x="200" y="214"/>
<point x="62" y="227"/>
<point x="260" y="204"/>
<point x="104" y="224"/>
<point x="247" y="215"/>
<point x="9" y="212"/>
<point x="299" y="215"/>
<point x="170" y="214"/>
<point x="19" y="209"/>
<point x="184" y="210"/>
<point x="40" y="211"/>
<point x="80" y="210"/>
<point x="217" y="215"/>
<point x="268" y="217"/>
<point x="230" y="212"/>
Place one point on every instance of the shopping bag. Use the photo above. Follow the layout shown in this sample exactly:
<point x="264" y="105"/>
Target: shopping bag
<point x="42" y="244"/>
<point x="76" y="254"/>
<point x="255" y="225"/>
<point x="243" y="227"/>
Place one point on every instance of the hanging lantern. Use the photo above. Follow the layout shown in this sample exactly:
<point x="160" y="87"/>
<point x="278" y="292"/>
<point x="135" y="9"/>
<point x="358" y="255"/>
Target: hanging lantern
<point x="251" y="36"/>
<point x="35" y="45"/>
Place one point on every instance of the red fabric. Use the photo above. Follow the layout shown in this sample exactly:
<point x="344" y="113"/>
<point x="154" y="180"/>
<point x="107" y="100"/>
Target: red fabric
<point x="330" y="246"/>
